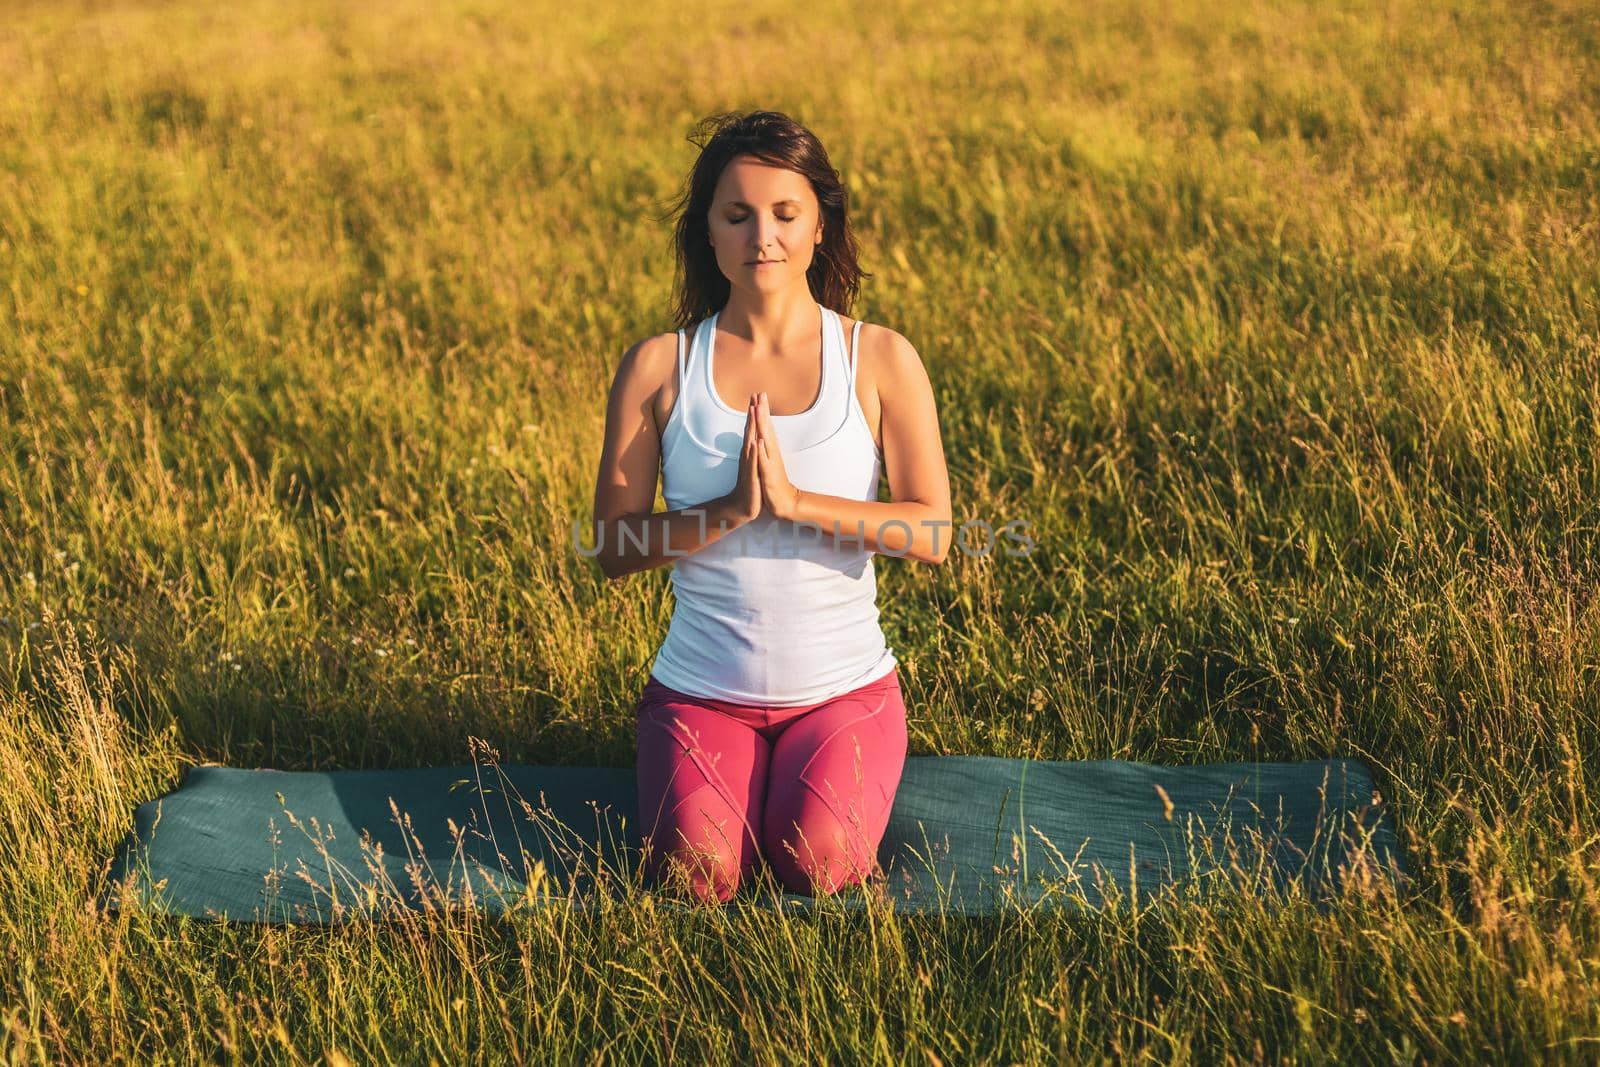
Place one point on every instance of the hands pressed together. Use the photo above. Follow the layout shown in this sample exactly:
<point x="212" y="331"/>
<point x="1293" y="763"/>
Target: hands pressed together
<point x="763" y="486"/>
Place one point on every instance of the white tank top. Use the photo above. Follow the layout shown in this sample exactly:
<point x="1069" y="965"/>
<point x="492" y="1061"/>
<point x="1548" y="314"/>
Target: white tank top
<point x="772" y="614"/>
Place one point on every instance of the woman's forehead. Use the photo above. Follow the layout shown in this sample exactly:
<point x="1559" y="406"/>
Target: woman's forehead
<point x="751" y="183"/>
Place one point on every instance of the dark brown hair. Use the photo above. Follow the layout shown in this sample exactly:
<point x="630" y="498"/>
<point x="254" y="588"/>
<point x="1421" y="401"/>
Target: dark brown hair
<point x="775" y="139"/>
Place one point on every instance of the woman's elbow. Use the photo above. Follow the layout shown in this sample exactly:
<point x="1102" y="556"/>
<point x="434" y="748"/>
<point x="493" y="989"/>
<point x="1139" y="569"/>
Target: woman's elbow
<point x="933" y="553"/>
<point x="604" y="554"/>
<point x="613" y="566"/>
<point x="944" y="536"/>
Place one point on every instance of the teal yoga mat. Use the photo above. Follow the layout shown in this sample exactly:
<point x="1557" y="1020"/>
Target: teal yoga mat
<point x="968" y="835"/>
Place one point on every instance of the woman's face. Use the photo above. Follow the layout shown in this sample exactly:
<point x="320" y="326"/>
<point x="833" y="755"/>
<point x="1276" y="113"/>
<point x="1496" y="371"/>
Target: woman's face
<point x="764" y="213"/>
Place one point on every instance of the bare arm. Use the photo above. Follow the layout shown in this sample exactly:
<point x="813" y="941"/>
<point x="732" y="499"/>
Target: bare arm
<point x="631" y="536"/>
<point x="913" y="458"/>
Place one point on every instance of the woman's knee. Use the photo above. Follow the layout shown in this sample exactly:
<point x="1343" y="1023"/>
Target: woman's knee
<point x="708" y="872"/>
<point x="816" y="855"/>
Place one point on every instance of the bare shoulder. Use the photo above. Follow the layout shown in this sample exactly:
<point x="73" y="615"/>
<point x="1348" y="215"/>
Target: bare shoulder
<point x="649" y="371"/>
<point x="652" y="355"/>
<point x="886" y="356"/>
<point x="885" y="364"/>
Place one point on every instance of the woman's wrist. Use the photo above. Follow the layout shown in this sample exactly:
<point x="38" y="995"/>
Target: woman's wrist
<point x="724" y="514"/>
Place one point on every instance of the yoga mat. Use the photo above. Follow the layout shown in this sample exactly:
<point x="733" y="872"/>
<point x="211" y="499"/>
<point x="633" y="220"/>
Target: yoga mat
<point x="968" y="835"/>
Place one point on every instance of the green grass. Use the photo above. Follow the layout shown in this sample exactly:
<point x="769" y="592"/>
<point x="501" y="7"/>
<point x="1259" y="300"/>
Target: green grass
<point x="1278" y="322"/>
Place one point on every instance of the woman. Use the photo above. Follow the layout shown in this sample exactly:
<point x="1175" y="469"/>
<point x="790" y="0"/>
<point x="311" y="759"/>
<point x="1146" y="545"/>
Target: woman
<point x="772" y="723"/>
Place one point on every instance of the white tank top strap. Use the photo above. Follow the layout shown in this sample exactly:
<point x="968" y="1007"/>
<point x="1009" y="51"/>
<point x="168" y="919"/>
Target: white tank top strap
<point x="679" y="393"/>
<point x="855" y="341"/>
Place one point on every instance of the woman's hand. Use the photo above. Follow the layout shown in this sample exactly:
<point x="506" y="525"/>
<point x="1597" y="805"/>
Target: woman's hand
<point x="745" y="498"/>
<point x="777" y="492"/>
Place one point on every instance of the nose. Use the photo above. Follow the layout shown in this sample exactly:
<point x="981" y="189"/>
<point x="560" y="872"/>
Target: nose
<point x="766" y="232"/>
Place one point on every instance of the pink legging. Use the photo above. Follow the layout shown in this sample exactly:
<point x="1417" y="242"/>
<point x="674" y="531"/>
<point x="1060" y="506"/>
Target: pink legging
<point x="809" y="788"/>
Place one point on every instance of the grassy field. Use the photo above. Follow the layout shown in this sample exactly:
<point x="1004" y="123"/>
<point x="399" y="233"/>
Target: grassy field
<point x="1278" y="323"/>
